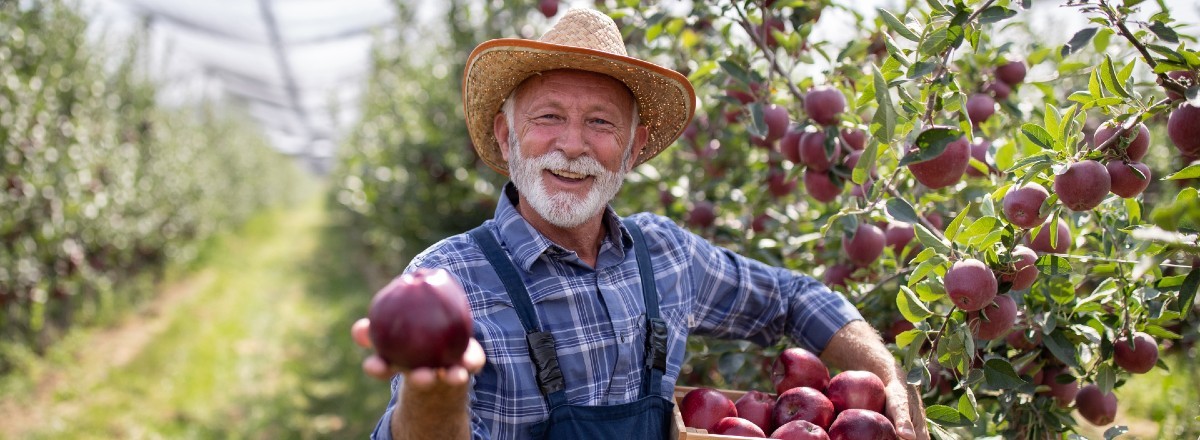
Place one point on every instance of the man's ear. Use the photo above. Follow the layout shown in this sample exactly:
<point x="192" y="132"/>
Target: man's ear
<point x="640" y="137"/>
<point x="500" y="130"/>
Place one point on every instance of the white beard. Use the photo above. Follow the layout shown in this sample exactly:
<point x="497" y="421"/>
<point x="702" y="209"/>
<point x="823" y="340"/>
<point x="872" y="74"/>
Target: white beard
<point x="561" y="209"/>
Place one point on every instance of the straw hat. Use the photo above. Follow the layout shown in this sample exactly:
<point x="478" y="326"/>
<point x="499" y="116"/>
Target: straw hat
<point x="583" y="39"/>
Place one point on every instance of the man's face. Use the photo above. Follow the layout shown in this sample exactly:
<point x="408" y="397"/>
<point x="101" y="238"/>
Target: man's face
<point x="570" y="144"/>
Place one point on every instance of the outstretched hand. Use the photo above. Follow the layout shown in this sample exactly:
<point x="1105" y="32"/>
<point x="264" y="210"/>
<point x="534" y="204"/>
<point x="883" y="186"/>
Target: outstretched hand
<point x="419" y="378"/>
<point x="906" y="411"/>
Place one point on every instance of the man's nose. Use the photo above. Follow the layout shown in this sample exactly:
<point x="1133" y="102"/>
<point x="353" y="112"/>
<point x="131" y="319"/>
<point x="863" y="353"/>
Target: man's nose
<point x="573" y="142"/>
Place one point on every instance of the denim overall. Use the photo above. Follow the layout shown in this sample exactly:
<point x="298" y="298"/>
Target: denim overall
<point x="648" y="417"/>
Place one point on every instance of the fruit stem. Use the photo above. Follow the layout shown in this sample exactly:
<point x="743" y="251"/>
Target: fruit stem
<point x="1119" y="21"/>
<point x="770" y="54"/>
<point x="941" y="332"/>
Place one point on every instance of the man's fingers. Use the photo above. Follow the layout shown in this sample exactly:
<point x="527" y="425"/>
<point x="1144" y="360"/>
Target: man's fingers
<point x="361" y="332"/>
<point x="376" y="367"/>
<point x="474" y="358"/>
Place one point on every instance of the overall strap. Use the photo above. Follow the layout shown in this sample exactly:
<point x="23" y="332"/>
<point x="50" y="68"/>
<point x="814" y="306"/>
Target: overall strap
<point x="541" y="343"/>
<point x="656" y="328"/>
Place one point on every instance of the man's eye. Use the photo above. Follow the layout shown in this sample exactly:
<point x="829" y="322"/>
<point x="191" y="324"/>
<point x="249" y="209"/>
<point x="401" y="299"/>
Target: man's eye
<point x="601" y="121"/>
<point x="548" y="116"/>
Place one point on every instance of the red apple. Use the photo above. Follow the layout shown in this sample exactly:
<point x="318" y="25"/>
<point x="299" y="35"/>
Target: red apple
<point x="800" y="430"/>
<point x="803" y="403"/>
<point x="421" y="320"/>
<point x="854" y="138"/>
<point x="1011" y="73"/>
<point x="737" y="426"/>
<point x="898" y="235"/>
<point x="980" y="107"/>
<point x="861" y="424"/>
<point x="970" y="284"/>
<point x="797" y="367"/>
<point x="947" y="168"/>
<point x="1186" y="77"/>
<point x="865" y="246"/>
<point x="778" y="184"/>
<point x="838" y="274"/>
<point x="979" y="152"/>
<point x="1041" y="241"/>
<point x="1022" y="206"/>
<point x="757" y="407"/>
<point x="824" y="104"/>
<point x="813" y="154"/>
<point x="856" y="389"/>
<point x="1137" y="359"/>
<point x="702" y="408"/>
<point x="549" y="8"/>
<point x="1083" y="186"/>
<point x="820" y="186"/>
<point x="1183" y="127"/>
<point x="998" y="89"/>
<point x="790" y="146"/>
<point x="994" y="320"/>
<point x="1097" y="408"/>
<point x="1020" y="341"/>
<point x="1124" y="181"/>
<point x="702" y="215"/>
<point x="1063" y="393"/>
<point x="1137" y="147"/>
<point x="777" y="120"/>
<point x="1024" y="270"/>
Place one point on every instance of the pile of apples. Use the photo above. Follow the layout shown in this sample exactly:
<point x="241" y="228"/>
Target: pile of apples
<point x="807" y="405"/>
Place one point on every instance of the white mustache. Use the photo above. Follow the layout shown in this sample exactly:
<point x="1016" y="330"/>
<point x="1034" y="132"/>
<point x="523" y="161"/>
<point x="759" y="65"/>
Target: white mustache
<point x="558" y="161"/>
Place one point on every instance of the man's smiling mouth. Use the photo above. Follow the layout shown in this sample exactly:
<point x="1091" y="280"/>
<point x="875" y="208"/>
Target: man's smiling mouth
<point x="568" y="175"/>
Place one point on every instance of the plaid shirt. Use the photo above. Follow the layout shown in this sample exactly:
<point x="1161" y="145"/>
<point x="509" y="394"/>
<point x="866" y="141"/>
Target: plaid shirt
<point x="597" y="314"/>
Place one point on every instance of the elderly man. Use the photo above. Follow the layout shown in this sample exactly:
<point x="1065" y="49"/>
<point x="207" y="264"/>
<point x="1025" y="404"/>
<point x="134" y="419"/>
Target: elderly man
<point x="581" y="317"/>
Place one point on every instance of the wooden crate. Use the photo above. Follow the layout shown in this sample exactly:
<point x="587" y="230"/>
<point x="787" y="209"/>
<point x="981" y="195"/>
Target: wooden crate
<point x="685" y="433"/>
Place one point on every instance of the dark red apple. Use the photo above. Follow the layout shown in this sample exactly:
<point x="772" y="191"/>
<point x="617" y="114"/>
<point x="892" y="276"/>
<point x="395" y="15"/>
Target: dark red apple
<point x="854" y="138"/>
<point x="421" y="320"/>
<point x="803" y="403"/>
<point x="1024" y="270"/>
<point x="824" y="104"/>
<point x="995" y="320"/>
<point x="1124" y="181"/>
<point x="980" y="107"/>
<point x="757" y="407"/>
<point x="898" y="235"/>
<point x="790" y="146"/>
<point x="970" y="284"/>
<point x="1020" y="341"/>
<point x="1183" y="127"/>
<point x="865" y="246"/>
<point x="1041" y="241"/>
<point x="1063" y="393"/>
<point x="820" y="186"/>
<point x="797" y="367"/>
<point x="861" y="424"/>
<point x="1022" y="206"/>
<point x="979" y="152"/>
<point x="1084" y="186"/>
<point x="1137" y="359"/>
<point x="812" y="151"/>
<point x="1097" y="408"/>
<point x="778" y="184"/>
<point x="549" y="8"/>
<point x="800" y="430"/>
<point x="947" y="168"/>
<point x="702" y="408"/>
<point x="737" y="426"/>
<point x="838" y="274"/>
<point x="1186" y="77"/>
<point x="1012" y="73"/>
<point x="1138" y="146"/>
<point x="856" y="389"/>
<point x="702" y="215"/>
<point x="998" y="89"/>
<point x="777" y="120"/>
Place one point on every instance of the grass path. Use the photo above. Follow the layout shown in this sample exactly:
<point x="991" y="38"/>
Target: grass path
<point x="253" y="344"/>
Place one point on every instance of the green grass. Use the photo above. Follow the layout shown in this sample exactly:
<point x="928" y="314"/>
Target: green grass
<point x="1171" y="400"/>
<point x="261" y="349"/>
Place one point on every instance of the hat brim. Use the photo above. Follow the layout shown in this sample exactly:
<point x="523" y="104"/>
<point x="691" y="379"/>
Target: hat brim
<point x="666" y="100"/>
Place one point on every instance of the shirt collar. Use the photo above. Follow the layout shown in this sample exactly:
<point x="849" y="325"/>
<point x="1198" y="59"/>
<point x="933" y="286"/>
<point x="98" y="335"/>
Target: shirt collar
<point x="526" y="244"/>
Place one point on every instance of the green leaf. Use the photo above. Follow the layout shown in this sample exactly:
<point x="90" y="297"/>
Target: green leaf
<point x="1062" y="349"/>
<point x="865" y="163"/>
<point x="995" y="14"/>
<point x="1108" y="77"/>
<point x="1000" y="374"/>
<point x="967" y="406"/>
<point x="935" y="42"/>
<point x="929" y="240"/>
<point x="1038" y="135"/>
<point x="955" y="225"/>
<point x="911" y="306"/>
<point x="1187" y="291"/>
<point x="896" y="25"/>
<point x="758" y="126"/>
<point x="979" y="228"/>
<point x="1119" y="430"/>
<point x="908" y="336"/>
<point x="920" y="69"/>
<point x="901" y="210"/>
<point x="931" y="143"/>
<point x="1164" y="32"/>
<point x="1191" y="172"/>
<point x="883" y="124"/>
<point x="946" y="416"/>
<point x="1077" y="42"/>
<point x="1106" y="377"/>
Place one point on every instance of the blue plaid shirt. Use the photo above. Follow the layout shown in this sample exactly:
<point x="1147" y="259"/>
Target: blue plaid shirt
<point x="597" y="314"/>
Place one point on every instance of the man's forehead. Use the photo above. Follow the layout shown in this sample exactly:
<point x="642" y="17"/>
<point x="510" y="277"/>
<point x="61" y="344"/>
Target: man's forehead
<point x="573" y="78"/>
